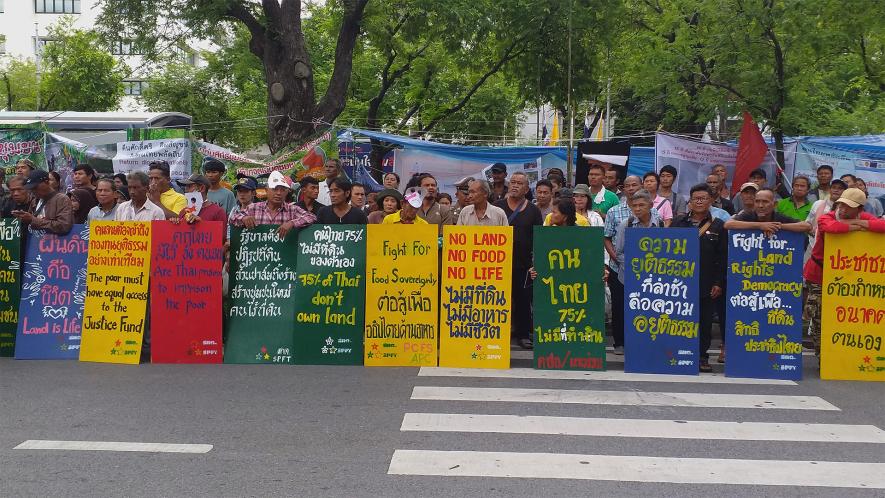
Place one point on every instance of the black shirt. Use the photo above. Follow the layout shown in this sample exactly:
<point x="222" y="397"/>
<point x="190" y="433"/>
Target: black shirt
<point x="752" y="217"/>
<point x="713" y="251"/>
<point x="725" y="204"/>
<point x="523" y="230"/>
<point x="327" y="216"/>
<point x="314" y="208"/>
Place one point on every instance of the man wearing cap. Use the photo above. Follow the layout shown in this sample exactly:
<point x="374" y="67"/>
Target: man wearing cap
<point x="847" y="216"/>
<point x="310" y="189"/>
<point x="408" y="213"/>
<point x="613" y="219"/>
<point x="275" y="210"/>
<point x="747" y="196"/>
<point x="523" y="216"/>
<point x="161" y="193"/>
<point x="24" y="167"/>
<point x="340" y="212"/>
<point x="480" y="212"/>
<point x="50" y="210"/>
<point x="461" y="196"/>
<point x="432" y="211"/>
<point x="332" y="169"/>
<point x="759" y="177"/>
<point x="213" y="169"/>
<point x="139" y="207"/>
<point x="245" y="193"/>
<point x="499" y="182"/>
<point x="209" y="211"/>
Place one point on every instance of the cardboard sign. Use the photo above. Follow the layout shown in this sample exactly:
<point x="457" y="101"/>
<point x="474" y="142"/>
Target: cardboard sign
<point x="258" y="325"/>
<point x="853" y="313"/>
<point x="330" y="302"/>
<point x="764" y="305"/>
<point x="10" y="283"/>
<point x="661" y="305"/>
<point x="117" y="274"/>
<point x="186" y="265"/>
<point x="52" y="296"/>
<point x="402" y="295"/>
<point x="569" y="299"/>
<point x="475" y="310"/>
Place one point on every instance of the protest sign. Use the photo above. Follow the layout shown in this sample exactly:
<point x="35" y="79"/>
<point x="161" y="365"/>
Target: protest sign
<point x="117" y="273"/>
<point x="10" y="283"/>
<point x="569" y="299"/>
<point x="475" y="306"/>
<point x="764" y="305"/>
<point x="661" y="300"/>
<point x="853" y="311"/>
<point x="136" y="156"/>
<point x="258" y="325"/>
<point x="186" y="264"/>
<point x="402" y="295"/>
<point x="330" y="295"/>
<point x="20" y="143"/>
<point x="52" y="296"/>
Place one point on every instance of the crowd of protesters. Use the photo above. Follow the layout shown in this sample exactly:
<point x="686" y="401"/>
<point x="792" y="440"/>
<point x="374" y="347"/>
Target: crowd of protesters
<point x="615" y="204"/>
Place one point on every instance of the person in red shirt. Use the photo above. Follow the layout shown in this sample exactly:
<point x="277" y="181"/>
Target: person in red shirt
<point x="847" y="216"/>
<point x="210" y="211"/>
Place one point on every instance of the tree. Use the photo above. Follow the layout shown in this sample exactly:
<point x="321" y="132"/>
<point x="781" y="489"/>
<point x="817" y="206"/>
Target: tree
<point x="77" y="74"/>
<point x="276" y="37"/>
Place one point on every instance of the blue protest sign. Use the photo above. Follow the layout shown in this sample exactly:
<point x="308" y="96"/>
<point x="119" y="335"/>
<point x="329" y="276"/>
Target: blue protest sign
<point x="54" y="276"/>
<point x="764" y="305"/>
<point x="661" y="308"/>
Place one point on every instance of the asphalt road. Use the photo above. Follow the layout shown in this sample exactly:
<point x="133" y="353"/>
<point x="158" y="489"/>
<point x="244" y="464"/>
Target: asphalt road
<point x="334" y="431"/>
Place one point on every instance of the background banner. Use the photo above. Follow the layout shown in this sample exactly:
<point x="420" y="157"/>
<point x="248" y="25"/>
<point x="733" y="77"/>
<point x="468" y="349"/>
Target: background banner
<point x="402" y="295"/>
<point x="569" y="299"/>
<point x="52" y="296"/>
<point x="475" y="308"/>
<point x="186" y="264"/>
<point x="259" y="326"/>
<point x="764" y="304"/>
<point x="21" y="143"/>
<point x="136" y="156"/>
<point x="330" y="295"/>
<point x="661" y="301"/>
<point x="117" y="273"/>
<point x="10" y="283"/>
<point x="865" y="162"/>
<point x="853" y="310"/>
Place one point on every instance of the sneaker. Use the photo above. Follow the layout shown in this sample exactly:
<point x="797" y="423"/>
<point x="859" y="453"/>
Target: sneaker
<point x="705" y="366"/>
<point x="619" y="350"/>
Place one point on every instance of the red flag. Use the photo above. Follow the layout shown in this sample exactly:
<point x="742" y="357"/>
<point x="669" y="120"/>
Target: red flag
<point x="751" y="151"/>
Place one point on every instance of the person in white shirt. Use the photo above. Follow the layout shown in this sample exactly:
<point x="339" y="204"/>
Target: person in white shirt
<point x="332" y="168"/>
<point x="139" y="207"/>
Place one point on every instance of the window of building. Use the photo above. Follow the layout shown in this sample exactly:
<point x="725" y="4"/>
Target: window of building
<point x="126" y="47"/>
<point x="57" y="6"/>
<point x="1" y="6"/>
<point x="42" y="42"/>
<point x="134" y="87"/>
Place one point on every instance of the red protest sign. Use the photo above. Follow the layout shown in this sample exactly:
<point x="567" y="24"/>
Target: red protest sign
<point x="186" y="284"/>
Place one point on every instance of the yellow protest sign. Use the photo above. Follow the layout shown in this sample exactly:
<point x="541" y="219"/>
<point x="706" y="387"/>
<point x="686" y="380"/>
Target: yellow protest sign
<point x="402" y="296"/>
<point x="475" y="304"/>
<point x="853" y="311"/>
<point x="117" y="273"/>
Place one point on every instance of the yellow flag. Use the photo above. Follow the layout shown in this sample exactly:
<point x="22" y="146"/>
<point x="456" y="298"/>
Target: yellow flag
<point x="554" y="134"/>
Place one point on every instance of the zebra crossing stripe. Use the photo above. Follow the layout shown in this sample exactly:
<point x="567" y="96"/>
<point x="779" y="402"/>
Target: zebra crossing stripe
<point x="611" y="375"/>
<point x="638" y="468"/>
<point x="631" y="398"/>
<point x="642" y="428"/>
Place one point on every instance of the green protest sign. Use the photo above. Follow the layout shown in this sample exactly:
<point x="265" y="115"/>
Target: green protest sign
<point x="21" y="143"/>
<point x="330" y="295"/>
<point x="258" y="323"/>
<point x="569" y="298"/>
<point x="10" y="283"/>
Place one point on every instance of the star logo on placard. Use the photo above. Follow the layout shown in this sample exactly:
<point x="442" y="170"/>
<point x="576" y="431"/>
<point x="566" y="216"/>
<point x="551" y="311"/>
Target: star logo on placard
<point x="473" y="356"/>
<point x="266" y="356"/>
<point x="867" y="359"/>
<point x="673" y="362"/>
<point x="478" y="347"/>
<point x="775" y="367"/>
<point x="114" y="351"/>
<point x="118" y="343"/>
<point x="374" y="346"/>
<point x="370" y="354"/>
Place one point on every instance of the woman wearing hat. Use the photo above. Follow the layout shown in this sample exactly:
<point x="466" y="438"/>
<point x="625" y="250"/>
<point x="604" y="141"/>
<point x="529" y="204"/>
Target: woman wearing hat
<point x="388" y="201"/>
<point x="583" y="205"/>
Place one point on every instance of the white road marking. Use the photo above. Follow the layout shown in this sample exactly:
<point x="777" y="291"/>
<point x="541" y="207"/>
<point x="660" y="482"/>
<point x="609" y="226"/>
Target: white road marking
<point x="666" y="429"/>
<point x="632" y="398"/>
<point x="39" y="444"/>
<point x="610" y="375"/>
<point x="638" y="468"/>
